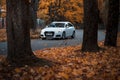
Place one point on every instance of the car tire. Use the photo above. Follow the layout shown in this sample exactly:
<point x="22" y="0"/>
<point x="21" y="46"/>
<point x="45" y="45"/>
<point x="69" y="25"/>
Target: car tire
<point x="43" y="38"/>
<point x="73" y="35"/>
<point x="63" y="35"/>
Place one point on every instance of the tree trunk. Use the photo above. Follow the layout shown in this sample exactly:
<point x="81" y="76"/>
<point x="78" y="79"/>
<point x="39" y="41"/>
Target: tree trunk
<point x="33" y="11"/>
<point x="112" y="23"/>
<point x="50" y="13"/>
<point x="0" y="10"/>
<point x="90" y="26"/>
<point x="18" y="32"/>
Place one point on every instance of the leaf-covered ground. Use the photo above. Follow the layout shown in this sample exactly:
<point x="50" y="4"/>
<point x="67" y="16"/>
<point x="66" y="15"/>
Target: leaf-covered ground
<point x="69" y="64"/>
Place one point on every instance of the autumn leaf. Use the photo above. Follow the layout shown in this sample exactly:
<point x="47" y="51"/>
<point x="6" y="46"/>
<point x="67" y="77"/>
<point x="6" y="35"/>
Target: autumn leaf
<point x="17" y="70"/>
<point x="64" y="75"/>
<point x="69" y="64"/>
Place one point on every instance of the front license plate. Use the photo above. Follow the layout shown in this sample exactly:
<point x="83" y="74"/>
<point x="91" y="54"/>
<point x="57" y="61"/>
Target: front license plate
<point x="49" y="34"/>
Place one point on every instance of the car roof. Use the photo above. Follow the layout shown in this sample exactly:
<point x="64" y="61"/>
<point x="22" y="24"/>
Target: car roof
<point x="61" y="22"/>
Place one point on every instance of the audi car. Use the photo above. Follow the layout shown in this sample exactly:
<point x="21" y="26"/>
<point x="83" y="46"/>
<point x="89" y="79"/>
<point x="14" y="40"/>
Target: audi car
<point x="58" y="29"/>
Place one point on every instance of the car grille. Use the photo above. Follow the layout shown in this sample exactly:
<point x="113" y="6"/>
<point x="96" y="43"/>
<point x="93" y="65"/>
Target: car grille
<point x="49" y="33"/>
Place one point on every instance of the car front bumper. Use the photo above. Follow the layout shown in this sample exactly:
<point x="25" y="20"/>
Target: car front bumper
<point x="59" y="35"/>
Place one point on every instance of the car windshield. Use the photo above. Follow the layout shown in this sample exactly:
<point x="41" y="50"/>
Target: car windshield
<point x="59" y="24"/>
<point x="56" y="25"/>
<point x="51" y="25"/>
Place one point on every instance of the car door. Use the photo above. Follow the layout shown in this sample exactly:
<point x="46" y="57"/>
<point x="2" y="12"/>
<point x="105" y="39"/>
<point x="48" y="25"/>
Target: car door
<point x="71" y="29"/>
<point x="67" y="30"/>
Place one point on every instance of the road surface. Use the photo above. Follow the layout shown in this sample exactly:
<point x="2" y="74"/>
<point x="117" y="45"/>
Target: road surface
<point x="37" y="44"/>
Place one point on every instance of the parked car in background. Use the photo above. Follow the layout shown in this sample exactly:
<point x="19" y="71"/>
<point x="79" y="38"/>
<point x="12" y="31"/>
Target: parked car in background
<point x="58" y="29"/>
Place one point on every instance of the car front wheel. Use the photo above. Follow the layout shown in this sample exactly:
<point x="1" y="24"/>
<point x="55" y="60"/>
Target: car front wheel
<point x="63" y="35"/>
<point x="43" y="38"/>
<point x="73" y="35"/>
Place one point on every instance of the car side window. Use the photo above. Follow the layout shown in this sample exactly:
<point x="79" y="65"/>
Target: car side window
<point x="70" y="25"/>
<point x="66" y="25"/>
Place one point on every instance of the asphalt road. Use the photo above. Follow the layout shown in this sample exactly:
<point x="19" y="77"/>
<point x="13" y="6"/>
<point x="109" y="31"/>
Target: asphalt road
<point x="37" y="44"/>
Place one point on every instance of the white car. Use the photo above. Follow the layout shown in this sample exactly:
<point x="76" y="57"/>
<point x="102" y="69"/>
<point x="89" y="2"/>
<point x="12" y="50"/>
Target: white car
<point x="58" y="30"/>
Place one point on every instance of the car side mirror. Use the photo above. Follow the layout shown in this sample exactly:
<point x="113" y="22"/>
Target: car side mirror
<point x="67" y="26"/>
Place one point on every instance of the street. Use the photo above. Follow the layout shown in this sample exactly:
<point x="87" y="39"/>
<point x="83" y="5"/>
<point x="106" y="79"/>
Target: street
<point x="37" y="44"/>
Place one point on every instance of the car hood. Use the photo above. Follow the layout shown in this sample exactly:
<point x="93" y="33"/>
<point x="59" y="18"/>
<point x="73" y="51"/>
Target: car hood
<point x="53" y="29"/>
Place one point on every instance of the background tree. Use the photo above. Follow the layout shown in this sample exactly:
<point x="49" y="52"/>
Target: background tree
<point x="56" y="11"/>
<point x="90" y="26"/>
<point x="112" y="23"/>
<point x="1" y="2"/>
<point x="2" y="7"/>
<point x="72" y="10"/>
<point x="18" y="32"/>
<point x="33" y="10"/>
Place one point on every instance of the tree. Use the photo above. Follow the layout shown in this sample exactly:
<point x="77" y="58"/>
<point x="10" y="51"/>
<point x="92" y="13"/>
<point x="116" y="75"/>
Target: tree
<point x="112" y="23"/>
<point x="51" y="10"/>
<point x="18" y="32"/>
<point x="0" y="8"/>
<point x="55" y="11"/>
<point x="33" y="11"/>
<point x="90" y="26"/>
<point x="0" y="12"/>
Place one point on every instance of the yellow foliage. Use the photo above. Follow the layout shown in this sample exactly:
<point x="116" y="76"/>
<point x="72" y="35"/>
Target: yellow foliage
<point x="17" y="70"/>
<point x="64" y="75"/>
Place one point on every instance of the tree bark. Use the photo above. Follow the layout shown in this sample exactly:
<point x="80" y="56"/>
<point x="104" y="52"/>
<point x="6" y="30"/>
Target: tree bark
<point x="18" y="32"/>
<point x="112" y="23"/>
<point x="33" y="11"/>
<point x="90" y="26"/>
<point x="0" y="10"/>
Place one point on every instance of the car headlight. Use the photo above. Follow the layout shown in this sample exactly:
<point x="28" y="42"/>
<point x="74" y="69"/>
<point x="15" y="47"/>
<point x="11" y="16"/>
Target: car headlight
<point x="42" y="31"/>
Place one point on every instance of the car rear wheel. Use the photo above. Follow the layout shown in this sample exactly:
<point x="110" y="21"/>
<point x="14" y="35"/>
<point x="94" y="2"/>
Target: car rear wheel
<point x="73" y="35"/>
